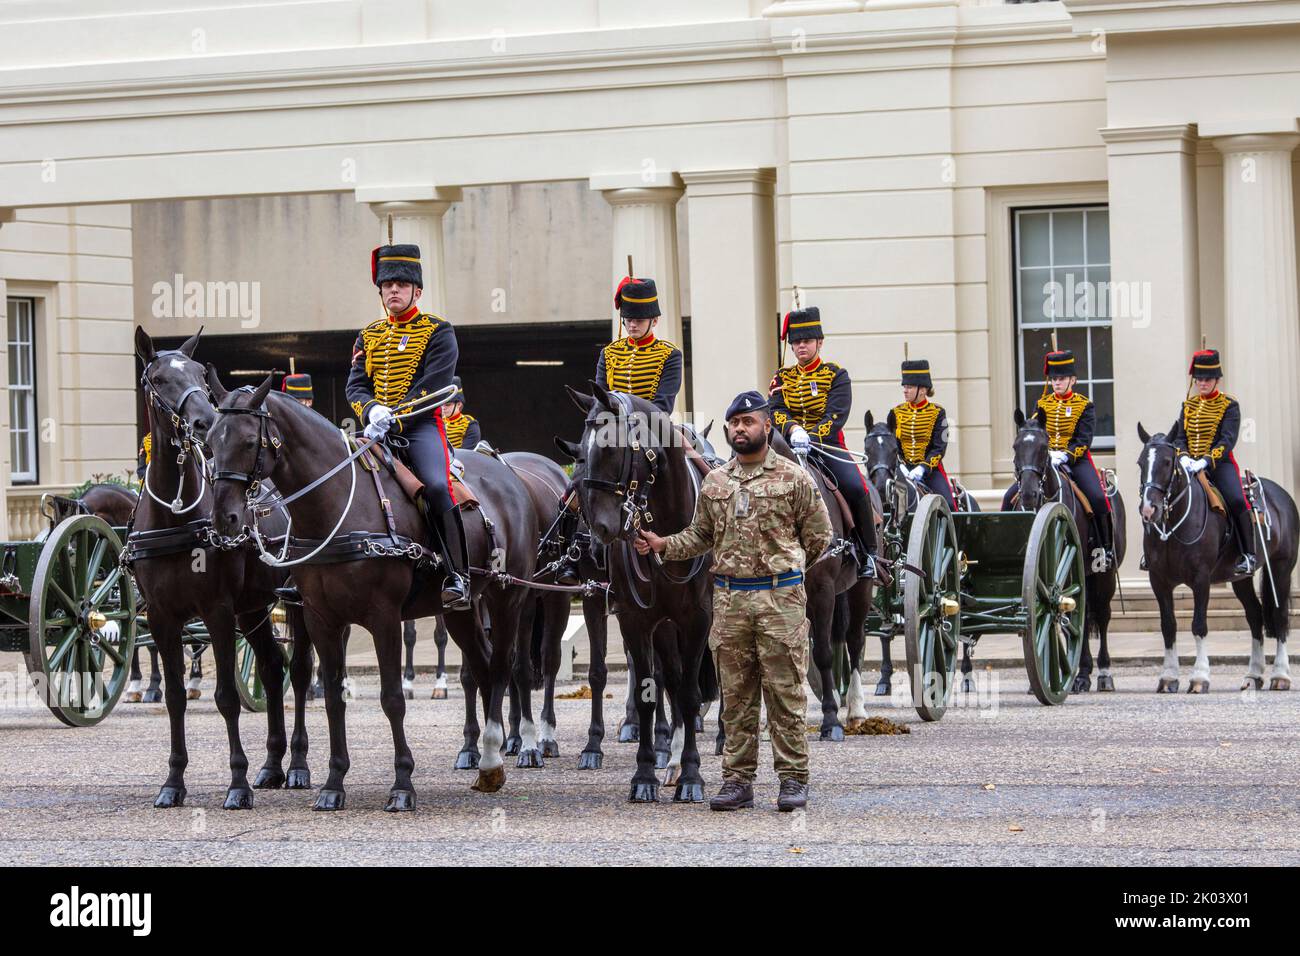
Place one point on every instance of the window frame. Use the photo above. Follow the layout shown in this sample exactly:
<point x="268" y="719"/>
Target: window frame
<point x="32" y="476"/>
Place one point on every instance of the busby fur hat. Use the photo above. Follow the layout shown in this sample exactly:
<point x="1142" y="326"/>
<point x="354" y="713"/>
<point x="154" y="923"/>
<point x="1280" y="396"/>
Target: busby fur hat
<point x="1206" y="364"/>
<point x="637" y="298"/>
<point x="1060" y="362"/>
<point x="917" y="372"/>
<point x="803" y="324"/>
<point x="297" y="386"/>
<point x="400" y="263"/>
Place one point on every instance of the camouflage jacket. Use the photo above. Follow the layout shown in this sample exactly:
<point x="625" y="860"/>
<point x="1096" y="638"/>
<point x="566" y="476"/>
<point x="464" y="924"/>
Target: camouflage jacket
<point x="757" y="519"/>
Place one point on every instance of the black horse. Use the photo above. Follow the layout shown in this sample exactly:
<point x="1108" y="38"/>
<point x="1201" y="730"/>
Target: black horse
<point x="632" y="470"/>
<point x="1185" y="541"/>
<point x="182" y="575"/>
<point x="374" y="573"/>
<point x="884" y="461"/>
<point x="1037" y="484"/>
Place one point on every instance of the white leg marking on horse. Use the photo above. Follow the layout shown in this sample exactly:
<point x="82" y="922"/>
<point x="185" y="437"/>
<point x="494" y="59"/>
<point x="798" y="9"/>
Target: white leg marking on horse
<point x="1171" y="663"/>
<point x="349" y="689"/>
<point x="1103" y="672"/>
<point x="856" y="701"/>
<point x="527" y="735"/>
<point x="441" y="682"/>
<point x="493" y="737"/>
<point x="1201" y="669"/>
<point x="193" y="683"/>
<point x="1281" y="663"/>
<point x="1256" y="667"/>
<point x="408" y="684"/>
<point x="134" y="687"/>
<point x="547" y="732"/>
<point x="679" y="741"/>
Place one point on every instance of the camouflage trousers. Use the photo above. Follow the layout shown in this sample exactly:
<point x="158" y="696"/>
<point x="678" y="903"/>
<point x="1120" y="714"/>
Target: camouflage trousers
<point x="760" y="639"/>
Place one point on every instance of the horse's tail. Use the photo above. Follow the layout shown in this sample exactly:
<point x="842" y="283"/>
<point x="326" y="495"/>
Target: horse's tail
<point x="708" y="678"/>
<point x="1286" y="527"/>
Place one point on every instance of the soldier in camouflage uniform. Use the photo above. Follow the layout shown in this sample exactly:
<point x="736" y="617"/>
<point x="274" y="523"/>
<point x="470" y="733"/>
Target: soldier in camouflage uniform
<point x="765" y="522"/>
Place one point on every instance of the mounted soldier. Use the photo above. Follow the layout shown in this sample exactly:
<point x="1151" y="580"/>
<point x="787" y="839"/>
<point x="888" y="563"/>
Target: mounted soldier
<point x="297" y="385"/>
<point x="462" y="429"/>
<point x="638" y="364"/>
<point x="810" y="402"/>
<point x="403" y="356"/>
<point x="921" y="428"/>
<point x="1205" y="435"/>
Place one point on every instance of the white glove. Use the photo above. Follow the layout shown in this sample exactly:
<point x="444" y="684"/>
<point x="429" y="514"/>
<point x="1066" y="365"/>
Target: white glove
<point x="916" y="473"/>
<point x="799" y="440"/>
<point x="381" y="419"/>
<point x="1058" y="457"/>
<point x="1193" y="465"/>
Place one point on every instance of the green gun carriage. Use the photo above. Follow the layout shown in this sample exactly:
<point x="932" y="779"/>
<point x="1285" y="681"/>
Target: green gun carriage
<point x="958" y="576"/>
<point x="73" y="611"/>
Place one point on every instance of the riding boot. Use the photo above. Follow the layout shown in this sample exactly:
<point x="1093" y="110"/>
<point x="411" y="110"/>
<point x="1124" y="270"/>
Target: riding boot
<point x="864" y="534"/>
<point x="1245" y="527"/>
<point x="566" y="572"/>
<point x="1104" y="524"/>
<point x="455" y="583"/>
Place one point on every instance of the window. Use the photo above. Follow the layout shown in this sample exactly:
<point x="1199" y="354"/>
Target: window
<point x="22" y="391"/>
<point x="1062" y="284"/>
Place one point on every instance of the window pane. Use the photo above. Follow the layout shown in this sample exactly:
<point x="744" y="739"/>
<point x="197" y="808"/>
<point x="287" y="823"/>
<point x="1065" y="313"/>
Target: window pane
<point x="1037" y="343"/>
<point x="1073" y="296"/>
<point x="1033" y="238"/>
<point x="1103" y="396"/>
<point x="1103" y="365"/>
<point x="1035" y="296"/>
<point x="1098" y="235"/>
<point x="1101" y="305"/>
<point x="1031" y="396"/>
<point x="1067" y="238"/>
<point x="15" y="378"/>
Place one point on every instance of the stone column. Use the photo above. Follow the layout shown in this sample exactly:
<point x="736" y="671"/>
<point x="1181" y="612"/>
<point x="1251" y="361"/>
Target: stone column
<point x="6" y="215"/>
<point x="732" y="252"/>
<point x="645" y="227"/>
<point x="1154" y="304"/>
<point x="1261" y="346"/>
<point x="417" y="213"/>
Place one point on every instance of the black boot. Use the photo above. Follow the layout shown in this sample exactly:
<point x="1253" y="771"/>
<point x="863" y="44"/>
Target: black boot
<point x="864" y="536"/>
<point x="1104" y="524"/>
<point x="455" y="582"/>
<point x="1245" y="527"/>
<point x="566" y="571"/>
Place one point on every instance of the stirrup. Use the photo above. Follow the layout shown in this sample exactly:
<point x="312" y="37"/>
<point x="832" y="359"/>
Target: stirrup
<point x="1248" y="564"/>
<point x="455" y="592"/>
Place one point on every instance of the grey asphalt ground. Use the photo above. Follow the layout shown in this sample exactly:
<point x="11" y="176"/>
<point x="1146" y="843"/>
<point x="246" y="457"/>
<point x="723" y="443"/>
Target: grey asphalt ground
<point x="1123" y="778"/>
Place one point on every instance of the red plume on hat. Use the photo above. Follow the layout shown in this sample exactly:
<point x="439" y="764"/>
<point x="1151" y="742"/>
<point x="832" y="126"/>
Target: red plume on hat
<point x="374" y="265"/>
<point x="618" y="293"/>
<point x="785" y="325"/>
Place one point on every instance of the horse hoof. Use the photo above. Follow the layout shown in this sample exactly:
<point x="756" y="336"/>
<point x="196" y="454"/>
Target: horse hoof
<point x="193" y="693"/>
<point x="269" y="778"/>
<point x="644" y="793"/>
<point x="673" y="775"/>
<point x="329" y="800"/>
<point x="590" y="760"/>
<point x="513" y="743"/>
<point x="400" y="800"/>
<point x="1167" y="685"/>
<point x="1280" y="683"/>
<point x="1198" y="686"/>
<point x="629" y="734"/>
<point x="833" y="733"/>
<point x="661" y="759"/>
<point x="239" y="799"/>
<point x="490" y="781"/>
<point x="299" y="778"/>
<point x="132" y="697"/>
<point x="1252" y="683"/>
<point x="883" y="688"/>
<point x="169" y="797"/>
<point x="550" y="748"/>
<point x="689" y="793"/>
<point x="718" y="747"/>
<point x="1105" y="683"/>
<point x="151" y="697"/>
<point x="530" y="759"/>
<point x="439" y="693"/>
<point x="1081" y="685"/>
<point x="467" y="760"/>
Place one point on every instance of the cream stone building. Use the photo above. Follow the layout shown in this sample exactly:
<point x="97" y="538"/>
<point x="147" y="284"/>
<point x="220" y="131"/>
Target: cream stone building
<point x="961" y="176"/>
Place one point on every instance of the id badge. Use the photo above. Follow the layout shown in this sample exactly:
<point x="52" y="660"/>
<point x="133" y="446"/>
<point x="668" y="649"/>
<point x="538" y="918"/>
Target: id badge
<point x="742" y="503"/>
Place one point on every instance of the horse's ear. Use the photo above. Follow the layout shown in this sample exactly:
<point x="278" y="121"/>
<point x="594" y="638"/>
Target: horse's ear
<point x="581" y="399"/>
<point x="144" y="345"/>
<point x="1142" y="434"/>
<point x="259" y="394"/>
<point x="568" y="449"/>
<point x="707" y="428"/>
<point x="218" y="390"/>
<point x="1020" y="418"/>
<point x="190" y="344"/>
<point x="601" y="394"/>
<point x="1040" y="416"/>
<point x="868" y="420"/>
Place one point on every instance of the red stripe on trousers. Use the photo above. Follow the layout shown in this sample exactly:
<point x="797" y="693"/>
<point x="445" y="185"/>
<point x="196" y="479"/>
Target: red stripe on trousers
<point x="442" y="430"/>
<point x="1233" y="458"/>
<point x="1088" y="454"/>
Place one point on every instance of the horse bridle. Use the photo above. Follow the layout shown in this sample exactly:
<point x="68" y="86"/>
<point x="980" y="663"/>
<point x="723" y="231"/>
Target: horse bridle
<point x="631" y="487"/>
<point x="267" y="438"/>
<point x="1170" y="500"/>
<point x="182" y="438"/>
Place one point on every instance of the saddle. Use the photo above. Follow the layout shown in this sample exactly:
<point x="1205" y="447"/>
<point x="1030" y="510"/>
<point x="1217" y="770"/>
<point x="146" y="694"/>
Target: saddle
<point x="407" y="480"/>
<point x="1211" y="493"/>
<point x="1078" y="492"/>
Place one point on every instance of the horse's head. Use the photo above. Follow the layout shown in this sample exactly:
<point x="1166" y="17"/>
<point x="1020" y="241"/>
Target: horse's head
<point x="174" y="387"/>
<point x="700" y="442"/>
<point x="618" y="457"/>
<point x="1157" y="464"/>
<point x="1030" y="459"/>
<point x="245" y="446"/>
<point x="883" y="454"/>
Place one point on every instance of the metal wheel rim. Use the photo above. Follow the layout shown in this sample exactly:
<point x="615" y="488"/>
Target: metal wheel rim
<point x="1053" y="636"/>
<point x="932" y="647"/>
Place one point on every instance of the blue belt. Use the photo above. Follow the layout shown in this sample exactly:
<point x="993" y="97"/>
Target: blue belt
<point x="785" y="579"/>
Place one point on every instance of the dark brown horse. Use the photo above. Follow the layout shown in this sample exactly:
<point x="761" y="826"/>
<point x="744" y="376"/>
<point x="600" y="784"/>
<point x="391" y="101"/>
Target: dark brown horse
<point x="1186" y="542"/>
<point x="183" y="575"/>
<point x="374" y="574"/>
<point x="632" y="470"/>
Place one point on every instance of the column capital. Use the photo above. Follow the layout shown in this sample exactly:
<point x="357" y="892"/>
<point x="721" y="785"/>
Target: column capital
<point x="1257" y="143"/>
<point x="409" y="194"/>
<point x="1136" y="140"/>
<point x="753" y="180"/>
<point x="643" y="196"/>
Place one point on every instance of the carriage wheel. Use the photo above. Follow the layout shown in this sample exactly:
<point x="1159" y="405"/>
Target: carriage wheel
<point x="932" y="607"/>
<point x="1054" y="597"/>
<point x="251" y="692"/>
<point x="81" y="623"/>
